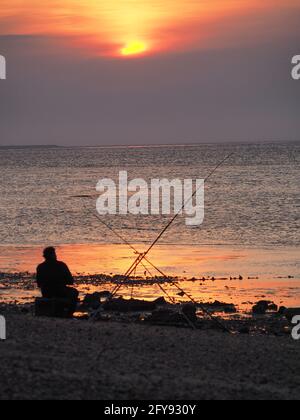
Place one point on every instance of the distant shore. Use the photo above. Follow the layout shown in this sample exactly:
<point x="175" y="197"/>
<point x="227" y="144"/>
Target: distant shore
<point x="200" y="143"/>
<point x="71" y="359"/>
<point x="46" y="146"/>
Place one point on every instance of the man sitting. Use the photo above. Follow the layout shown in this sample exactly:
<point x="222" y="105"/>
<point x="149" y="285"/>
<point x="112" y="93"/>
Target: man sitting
<point x="53" y="277"/>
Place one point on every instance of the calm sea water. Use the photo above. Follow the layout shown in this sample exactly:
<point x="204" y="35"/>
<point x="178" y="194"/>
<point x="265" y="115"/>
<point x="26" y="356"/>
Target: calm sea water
<point x="252" y="201"/>
<point x="251" y="224"/>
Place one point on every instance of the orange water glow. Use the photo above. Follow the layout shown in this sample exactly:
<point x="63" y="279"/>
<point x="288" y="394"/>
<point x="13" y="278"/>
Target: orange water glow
<point x="190" y="264"/>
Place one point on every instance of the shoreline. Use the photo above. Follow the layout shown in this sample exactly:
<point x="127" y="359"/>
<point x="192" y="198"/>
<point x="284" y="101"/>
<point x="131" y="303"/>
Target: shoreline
<point x="20" y="288"/>
<point x="208" y="273"/>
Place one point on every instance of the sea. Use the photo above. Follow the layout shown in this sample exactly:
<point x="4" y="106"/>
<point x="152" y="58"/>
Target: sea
<point x="251" y="227"/>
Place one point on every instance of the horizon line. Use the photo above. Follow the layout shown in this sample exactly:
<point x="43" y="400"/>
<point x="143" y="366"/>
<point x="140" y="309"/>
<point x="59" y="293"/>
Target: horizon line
<point x="149" y="145"/>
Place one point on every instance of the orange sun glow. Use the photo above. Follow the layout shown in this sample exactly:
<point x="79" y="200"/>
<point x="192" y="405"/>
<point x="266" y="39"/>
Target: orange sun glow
<point x="127" y="28"/>
<point x="134" y="48"/>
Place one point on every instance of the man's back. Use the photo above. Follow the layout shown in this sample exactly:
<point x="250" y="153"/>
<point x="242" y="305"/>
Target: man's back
<point x="53" y="276"/>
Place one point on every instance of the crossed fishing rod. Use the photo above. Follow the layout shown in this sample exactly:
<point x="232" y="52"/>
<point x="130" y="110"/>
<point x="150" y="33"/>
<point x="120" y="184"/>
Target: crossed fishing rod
<point x="143" y="257"/>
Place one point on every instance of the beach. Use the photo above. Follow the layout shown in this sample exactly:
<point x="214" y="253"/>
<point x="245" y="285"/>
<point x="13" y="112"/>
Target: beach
<point x="245" y="252"/>
<point x="71" y="359"/>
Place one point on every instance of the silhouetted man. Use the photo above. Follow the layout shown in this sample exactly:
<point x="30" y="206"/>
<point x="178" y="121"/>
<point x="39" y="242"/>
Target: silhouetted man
<point x="54" y="276"/>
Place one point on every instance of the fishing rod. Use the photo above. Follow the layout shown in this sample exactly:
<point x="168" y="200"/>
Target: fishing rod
<point x="189" y="322"/>
<point x="126" y="242"/>
<point x="115" y="290"/>
<point x="141" y="257"/>
<point x="171" y="298"/>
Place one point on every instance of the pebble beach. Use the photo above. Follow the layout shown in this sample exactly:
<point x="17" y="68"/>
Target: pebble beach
<point x="71" y="359"/>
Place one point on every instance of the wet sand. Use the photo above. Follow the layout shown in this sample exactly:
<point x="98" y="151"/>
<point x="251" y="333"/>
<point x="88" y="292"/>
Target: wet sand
<point x="267" y="273"/>
<point x="71" y="359"/>
<point x="21" y="288"/>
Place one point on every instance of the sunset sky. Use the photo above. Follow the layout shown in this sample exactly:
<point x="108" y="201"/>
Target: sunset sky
<point x="148" y="71"/>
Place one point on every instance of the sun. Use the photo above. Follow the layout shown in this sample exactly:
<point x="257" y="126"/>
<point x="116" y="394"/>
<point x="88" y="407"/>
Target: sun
<point x="134" y="48"/>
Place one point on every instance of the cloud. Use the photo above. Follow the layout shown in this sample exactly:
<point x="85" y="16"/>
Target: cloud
<point x="216" y="78"/>
<point x="104" y="27"/>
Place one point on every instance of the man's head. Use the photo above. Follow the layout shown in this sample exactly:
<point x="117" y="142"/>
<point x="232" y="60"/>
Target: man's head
<point x="50" y="254"/>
